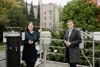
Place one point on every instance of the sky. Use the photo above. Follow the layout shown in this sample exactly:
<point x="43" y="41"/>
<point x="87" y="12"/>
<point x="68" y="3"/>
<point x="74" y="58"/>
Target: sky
<point x="59" y="2"/>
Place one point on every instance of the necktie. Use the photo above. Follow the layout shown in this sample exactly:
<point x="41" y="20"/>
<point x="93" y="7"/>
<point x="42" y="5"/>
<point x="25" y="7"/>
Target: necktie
<point x="69" y="33"/>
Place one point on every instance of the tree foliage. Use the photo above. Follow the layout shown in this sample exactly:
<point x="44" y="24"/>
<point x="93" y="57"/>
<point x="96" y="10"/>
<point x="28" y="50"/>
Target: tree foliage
<point x="5" y="7"/>
<point x="31" y="16"/>
<point x="16" y="18"/>
<point x="38" y="16"/>
<point x="25" y="9"/>
<point x="86" y="15"/>
<point x="83" y="12"/>
<point x="11" y="14"/>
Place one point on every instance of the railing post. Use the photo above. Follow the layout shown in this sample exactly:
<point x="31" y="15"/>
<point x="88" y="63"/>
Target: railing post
<point x="93" y="61"/>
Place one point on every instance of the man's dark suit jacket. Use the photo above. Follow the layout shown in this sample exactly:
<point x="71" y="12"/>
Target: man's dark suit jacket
<point x="72" y="52"/>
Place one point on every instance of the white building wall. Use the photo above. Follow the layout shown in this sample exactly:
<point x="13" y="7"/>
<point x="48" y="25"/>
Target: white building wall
<point x="47" y="16"/>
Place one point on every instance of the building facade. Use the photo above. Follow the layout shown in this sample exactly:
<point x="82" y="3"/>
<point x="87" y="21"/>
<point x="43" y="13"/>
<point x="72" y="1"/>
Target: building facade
<point x="97" y="2"/>
<point x="50" y="16"/>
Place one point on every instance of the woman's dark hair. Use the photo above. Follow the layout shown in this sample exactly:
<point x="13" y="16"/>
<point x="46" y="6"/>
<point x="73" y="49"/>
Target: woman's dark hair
<point x="28" y="24"/>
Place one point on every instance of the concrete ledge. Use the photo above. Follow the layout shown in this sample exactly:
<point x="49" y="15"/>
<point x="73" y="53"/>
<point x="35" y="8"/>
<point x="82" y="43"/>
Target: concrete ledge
<point x="41" y="63"/>
<point x="56" y="64"/>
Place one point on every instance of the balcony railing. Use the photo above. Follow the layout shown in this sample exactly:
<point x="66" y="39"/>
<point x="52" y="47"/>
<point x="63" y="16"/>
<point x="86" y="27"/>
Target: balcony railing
<point x="48" y="62"/>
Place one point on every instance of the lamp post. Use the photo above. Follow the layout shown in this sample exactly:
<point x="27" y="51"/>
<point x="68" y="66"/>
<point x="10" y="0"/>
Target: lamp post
<point x="40" y="3"/>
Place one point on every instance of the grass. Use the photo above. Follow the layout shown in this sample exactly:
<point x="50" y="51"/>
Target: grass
<point x="2" y="48"/>
<point x="1" y="43"/>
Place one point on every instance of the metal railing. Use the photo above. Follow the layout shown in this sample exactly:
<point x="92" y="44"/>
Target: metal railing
<point x="82" y="52"/>
<point x="85" y="49"/>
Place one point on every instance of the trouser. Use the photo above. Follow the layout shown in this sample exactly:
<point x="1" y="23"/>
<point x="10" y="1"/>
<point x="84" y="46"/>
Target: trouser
<point x="72" y="64"/>
<point x="30" y="64"/>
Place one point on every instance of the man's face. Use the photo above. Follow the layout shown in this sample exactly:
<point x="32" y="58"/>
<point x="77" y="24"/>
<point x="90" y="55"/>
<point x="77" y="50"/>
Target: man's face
<point x="70" y="25"/>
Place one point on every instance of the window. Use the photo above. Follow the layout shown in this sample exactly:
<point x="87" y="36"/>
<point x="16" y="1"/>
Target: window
<point x="50" y="18"/>
<point x="44" y="12"/>
<point x="50" y="12"/>
<point x="50" y="23"/>
<point x="45" y="24"/>
<point x="44" y="18"/>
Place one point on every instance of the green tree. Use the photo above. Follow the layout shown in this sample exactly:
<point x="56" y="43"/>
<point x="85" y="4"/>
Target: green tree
<point x="31" y="14"/>
<point x="25" y="9"/>
<point x="16" y="15"/>
<point x="38" y="16"/>
<point x="83" y="12"/>
<point x="16" y="18"/>
<point x="5" y="7"/>
<point x="85" y="15"/>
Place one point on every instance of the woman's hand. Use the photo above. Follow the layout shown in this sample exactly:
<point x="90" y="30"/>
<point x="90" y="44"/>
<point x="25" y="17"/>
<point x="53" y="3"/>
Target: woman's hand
<point x="30" y="42"/>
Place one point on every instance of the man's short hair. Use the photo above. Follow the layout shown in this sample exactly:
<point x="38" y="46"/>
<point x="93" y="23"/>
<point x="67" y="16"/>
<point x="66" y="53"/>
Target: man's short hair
<point x="70" y="21"/>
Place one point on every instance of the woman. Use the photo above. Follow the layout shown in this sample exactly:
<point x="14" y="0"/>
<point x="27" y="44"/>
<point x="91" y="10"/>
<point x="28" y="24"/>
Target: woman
<point x="29" y="51"/>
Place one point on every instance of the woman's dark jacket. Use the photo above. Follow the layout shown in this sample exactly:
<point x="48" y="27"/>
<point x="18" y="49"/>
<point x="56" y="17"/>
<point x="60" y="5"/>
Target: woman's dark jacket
<point x="29" y="51"/>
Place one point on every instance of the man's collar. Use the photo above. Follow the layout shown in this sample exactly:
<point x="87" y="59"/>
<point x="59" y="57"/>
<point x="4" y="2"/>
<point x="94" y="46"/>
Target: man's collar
<point x="70" y="29"/>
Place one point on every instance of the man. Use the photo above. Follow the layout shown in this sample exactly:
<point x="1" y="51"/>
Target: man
<point x="72" y="39"/>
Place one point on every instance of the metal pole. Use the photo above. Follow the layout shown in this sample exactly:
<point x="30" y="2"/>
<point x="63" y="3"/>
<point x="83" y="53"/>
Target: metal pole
<point x="45" y="59"/>
<point x="99" y="62"/>
<point x="93" y="54"/>
<point x="40" y="15"/>
<point x="40" y="2"/>
<point x="5" y="54"/>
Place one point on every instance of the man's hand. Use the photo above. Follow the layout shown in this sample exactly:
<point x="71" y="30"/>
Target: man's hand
<point x="67" y="43"/>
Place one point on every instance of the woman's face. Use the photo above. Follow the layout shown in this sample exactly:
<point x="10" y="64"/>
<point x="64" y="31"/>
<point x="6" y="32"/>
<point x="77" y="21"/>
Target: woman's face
<point x="30" y="26"/>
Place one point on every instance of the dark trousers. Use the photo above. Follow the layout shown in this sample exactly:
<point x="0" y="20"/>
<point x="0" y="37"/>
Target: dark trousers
<point x="72" y="64"/>
<point x="30" y="64"/>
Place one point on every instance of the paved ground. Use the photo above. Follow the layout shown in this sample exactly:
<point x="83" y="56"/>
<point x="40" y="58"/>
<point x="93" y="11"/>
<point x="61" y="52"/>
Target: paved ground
<point x="38" y="64"/>
<point x="2" y="59"/>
